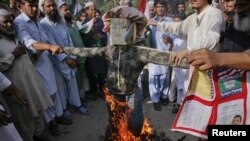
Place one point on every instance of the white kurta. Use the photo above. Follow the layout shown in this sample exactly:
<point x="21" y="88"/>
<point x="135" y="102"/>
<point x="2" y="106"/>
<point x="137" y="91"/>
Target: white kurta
<point x="63" y="39"/>
<point x="203" y="30"/>
<point x="29" y="32"/>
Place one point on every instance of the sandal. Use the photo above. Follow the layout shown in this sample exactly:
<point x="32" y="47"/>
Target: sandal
<point x="82" y="110"/>
<point x="65" y="121"/>
<point x="53" y="128"/>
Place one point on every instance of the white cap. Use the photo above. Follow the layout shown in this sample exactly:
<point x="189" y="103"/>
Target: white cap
<point x="61" y="2"/>
<point x="88" y="4"/>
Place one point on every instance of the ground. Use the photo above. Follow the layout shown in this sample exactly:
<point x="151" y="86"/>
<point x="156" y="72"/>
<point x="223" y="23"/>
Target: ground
<point x="92" y="127"/>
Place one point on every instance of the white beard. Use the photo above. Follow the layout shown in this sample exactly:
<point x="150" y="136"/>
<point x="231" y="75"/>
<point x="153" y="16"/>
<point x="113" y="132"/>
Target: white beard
<point x="242" y="24"/>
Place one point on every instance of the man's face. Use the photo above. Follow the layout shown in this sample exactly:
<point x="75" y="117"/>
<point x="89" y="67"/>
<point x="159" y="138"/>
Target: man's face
<point x="230" y="6"/>
<point x="97" y="15"/>
<point x="50" y="7"/>
<point x="65" y="10"/>
<point x="160" y="10"/>
<point x="198" y="4"/>
<point x="236" y="121"/>
<point x="6" y="25"/>
<point x="83" y="16"/>
<point x="181" y="8"/>
<point x="151" y="12"/>
<point x="91" y="11"/>
<point x="30" y="9"/>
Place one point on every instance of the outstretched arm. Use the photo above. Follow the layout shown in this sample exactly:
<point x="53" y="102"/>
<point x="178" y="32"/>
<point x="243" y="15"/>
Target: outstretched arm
<point x="149" y="55"/>
<point x="85" y="52"/>
<point x="206" y="59"/>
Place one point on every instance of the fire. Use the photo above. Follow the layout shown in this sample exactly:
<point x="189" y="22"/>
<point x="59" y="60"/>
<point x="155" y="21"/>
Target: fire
<point x="119" y="119"/>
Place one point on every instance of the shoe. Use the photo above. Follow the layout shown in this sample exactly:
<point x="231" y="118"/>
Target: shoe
<point x="63" y="120"/>
<point x="40" y="138"/>
<point x="67" y="114"/>
<point x="176" y="109"/>
<point x="164" y="102"/>
<point x="83" y="110"/>
<point x="53" y="128"/>
<point x="157" y="106"/>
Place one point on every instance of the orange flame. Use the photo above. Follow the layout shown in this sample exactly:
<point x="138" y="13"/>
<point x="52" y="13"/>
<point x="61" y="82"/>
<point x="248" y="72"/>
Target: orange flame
<point x="120" y="121"/>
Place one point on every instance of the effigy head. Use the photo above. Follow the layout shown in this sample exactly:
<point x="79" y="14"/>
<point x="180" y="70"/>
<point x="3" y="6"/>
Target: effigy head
<point x="125" y="25"/>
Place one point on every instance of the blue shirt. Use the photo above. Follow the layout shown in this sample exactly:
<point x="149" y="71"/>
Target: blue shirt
<point x="29" y="32"/>
<point x="58" y="32"/>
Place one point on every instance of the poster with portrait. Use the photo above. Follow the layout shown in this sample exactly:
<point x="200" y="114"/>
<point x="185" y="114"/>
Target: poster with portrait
<point x="215" y="97"/>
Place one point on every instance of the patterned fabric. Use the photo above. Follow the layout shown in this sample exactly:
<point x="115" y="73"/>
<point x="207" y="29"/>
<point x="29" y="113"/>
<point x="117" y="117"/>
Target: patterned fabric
<point x="125" y="64"/>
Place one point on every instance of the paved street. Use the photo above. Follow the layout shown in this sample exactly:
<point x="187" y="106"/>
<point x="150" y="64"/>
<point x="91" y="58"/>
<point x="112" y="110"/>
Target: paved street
<point x="92" y="127"/>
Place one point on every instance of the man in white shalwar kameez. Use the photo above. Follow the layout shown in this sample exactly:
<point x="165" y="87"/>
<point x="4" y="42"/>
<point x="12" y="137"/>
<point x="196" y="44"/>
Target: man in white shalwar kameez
<point x="31" y="34"/>
<point x="158" y="74"/>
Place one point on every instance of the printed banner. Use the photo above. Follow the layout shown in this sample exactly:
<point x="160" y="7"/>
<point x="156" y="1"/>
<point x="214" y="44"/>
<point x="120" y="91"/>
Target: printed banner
<point x="216" y="97"/>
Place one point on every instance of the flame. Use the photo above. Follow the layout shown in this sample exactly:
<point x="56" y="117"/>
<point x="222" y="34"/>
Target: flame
<point x="120" y="120"/>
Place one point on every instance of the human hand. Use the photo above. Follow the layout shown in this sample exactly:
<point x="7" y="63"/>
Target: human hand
<point x="55" y="49"/>
<point x="5" y="118"/>
<point x="19" y="51"/>
<point x="204" y="59"/>
<point x="152" y="22"/>
<point x="176" y="57"/>
<point x="70" y="62"/>
<point x="106" y="27"/>
<point x="13" y="90"/>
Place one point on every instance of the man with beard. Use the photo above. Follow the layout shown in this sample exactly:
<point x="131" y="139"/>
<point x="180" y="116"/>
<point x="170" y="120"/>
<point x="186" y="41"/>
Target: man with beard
<point x="96" y="67"/>
<point x="20" y="70"/>
<point x="31" y="35"/>
<point x="240" y="43"/>
<point x="64" y="65"/>
<point x="75" y="35"/>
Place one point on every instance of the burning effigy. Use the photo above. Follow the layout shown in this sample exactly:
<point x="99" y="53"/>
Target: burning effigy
<point x="126" y="61"/>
